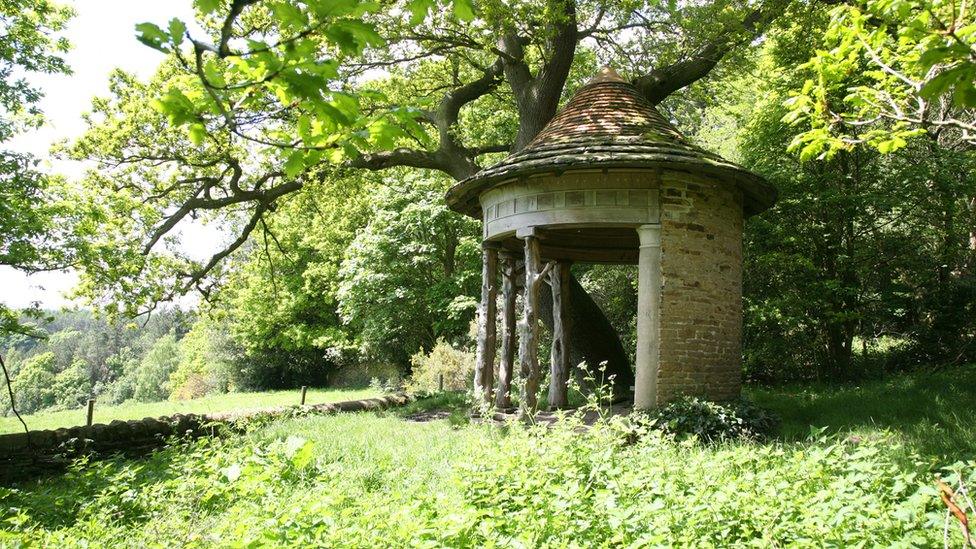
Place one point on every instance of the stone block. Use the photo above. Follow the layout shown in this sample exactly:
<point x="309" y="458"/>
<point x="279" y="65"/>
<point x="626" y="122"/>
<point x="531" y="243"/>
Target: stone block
<point x="12" y="443"/>
<point x="118" y="430"/>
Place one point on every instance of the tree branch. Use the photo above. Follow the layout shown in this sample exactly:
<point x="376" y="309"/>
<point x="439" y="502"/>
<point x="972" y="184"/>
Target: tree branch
<point x="13" y="405"/>
<point x="227" y="29"/>
<point x="196" y="202"/>
<point x="451" y="156"/>
<point x="658" y="84"/>
<point x="401" y="156"/>
<point x="197" y="275"/>
<point x="485" y="149"/>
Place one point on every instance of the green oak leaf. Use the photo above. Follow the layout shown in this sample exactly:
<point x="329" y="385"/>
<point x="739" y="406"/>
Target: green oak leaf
<point x="151" y="35"/>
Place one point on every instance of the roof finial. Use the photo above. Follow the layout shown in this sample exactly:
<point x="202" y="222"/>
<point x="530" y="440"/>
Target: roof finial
<point x="606" y="74"/>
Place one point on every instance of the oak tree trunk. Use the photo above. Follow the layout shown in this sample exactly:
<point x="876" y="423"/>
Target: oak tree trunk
<point x="485" y="357"/>
<point x="529" y="327"/>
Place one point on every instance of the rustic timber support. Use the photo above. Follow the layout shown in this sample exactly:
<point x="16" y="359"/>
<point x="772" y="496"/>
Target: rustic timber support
<point x="561" y="320"/>
<point x="506" y="365"/>
<point x="648" y="317"/>
<point x="529" y="328"/>
<point x="485" y="359"/>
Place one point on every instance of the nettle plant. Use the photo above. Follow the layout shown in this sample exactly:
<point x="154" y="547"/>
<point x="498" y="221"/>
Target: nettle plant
<point x="711" y="421"/>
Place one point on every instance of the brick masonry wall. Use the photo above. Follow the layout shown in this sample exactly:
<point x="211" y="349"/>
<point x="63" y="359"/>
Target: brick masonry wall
<point x="701" y="308"/>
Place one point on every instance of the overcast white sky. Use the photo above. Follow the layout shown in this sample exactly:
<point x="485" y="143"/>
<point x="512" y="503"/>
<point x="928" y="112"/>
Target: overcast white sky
<point x="103" y="38"/>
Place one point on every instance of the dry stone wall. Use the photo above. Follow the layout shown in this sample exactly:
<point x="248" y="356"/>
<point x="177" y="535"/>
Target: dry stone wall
<point x="701" y="307"/>
<point x="23" y="456"/>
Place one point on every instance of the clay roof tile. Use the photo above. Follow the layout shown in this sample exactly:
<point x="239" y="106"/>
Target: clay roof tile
<point x="609" y="124"/>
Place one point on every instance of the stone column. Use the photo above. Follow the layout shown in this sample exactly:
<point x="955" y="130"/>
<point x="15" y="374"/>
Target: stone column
<point x="559" y="357"/>
<point x="506" y="364"/>
<point x="648" y="316"/>
<point x="484" y="368"/>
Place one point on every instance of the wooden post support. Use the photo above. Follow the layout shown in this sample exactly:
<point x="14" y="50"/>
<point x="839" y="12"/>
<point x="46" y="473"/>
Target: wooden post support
<point x="304" y="390"/>
<point x="440" y="382"/>
<point x="506" y="365"/>
<point x="484" y="370"/>
<point x="91" y="412"/>
<point x="559" y="357"/>
<point x="529" y="328"/>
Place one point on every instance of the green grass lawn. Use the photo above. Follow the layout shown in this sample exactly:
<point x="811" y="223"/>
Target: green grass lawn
<point x="381" y="480"/>
<point x="208" y="404"/>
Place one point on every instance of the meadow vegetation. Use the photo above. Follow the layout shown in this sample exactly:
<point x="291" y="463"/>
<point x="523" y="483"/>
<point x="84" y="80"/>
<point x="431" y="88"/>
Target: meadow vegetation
<point x="930" y="412"/>
<point x="862" y="477"/>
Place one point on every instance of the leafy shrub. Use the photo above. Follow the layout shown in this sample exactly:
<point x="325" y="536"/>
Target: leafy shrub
<point x="145" y="380"/>
<point x="264" y="369"/>
<point x="206" y="364"/>
<point x="712" y="421"/>
<point x="122" y="389"/>
<point x="455" y="365"/>
<point x="193" y="385"/>
<point x="361" y="374"/>
<point x="400" y="289"/>
<point x="388" y="385"/>
<point x="573" y="488"/>
<point x="152" y="376"/>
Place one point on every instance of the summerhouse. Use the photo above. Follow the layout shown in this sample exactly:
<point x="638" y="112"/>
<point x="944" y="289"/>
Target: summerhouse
<point x="610" y="180"/>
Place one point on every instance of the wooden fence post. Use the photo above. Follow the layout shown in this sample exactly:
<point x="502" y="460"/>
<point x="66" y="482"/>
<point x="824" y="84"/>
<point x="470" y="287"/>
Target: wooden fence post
<point x="91" y="411"/>
<point x="304" y="389"/>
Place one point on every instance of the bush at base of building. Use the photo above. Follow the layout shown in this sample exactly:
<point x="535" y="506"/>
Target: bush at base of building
<point x="712" y="421"/>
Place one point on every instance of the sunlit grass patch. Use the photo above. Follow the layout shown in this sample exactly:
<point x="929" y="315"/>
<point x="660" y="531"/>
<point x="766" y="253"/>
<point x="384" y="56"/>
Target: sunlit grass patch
<point x="228" y="402"/>
<point x="933" y="413"/>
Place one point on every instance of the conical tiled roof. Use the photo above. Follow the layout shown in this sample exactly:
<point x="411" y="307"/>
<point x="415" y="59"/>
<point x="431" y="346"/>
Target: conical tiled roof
<point x="608" y="124"/>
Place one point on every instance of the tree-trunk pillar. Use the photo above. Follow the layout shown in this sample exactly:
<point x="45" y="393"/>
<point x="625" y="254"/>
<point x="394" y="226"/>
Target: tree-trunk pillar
<point x="485" y="358"/>
<point x="529" y="328"/>
<point x="648" y="316"/>
<point x="559" y="357"/>
<point x="506" y="365"/>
